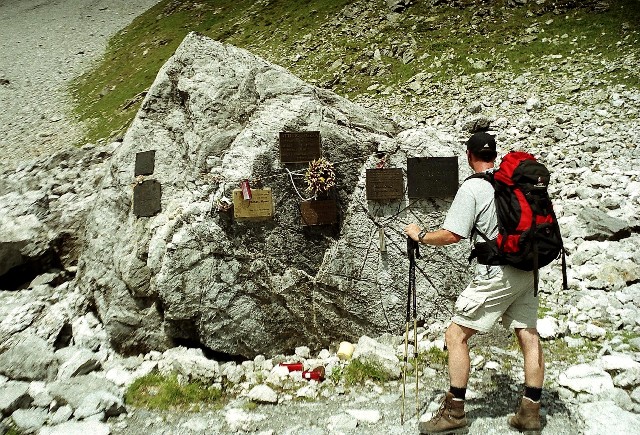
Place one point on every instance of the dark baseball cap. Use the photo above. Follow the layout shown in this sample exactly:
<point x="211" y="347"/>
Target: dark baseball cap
<point x="480" y="142"/>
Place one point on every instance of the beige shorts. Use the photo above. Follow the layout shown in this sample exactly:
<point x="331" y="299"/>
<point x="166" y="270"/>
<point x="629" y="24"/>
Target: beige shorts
<point x="506" y="292"/>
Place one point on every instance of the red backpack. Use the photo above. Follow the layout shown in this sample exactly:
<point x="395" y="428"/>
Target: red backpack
<point x="528" y="231"/>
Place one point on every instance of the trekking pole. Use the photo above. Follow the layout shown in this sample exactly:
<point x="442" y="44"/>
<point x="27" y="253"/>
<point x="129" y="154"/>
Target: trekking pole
<point x="412" y="252"/>
<point x="412" y="280"/>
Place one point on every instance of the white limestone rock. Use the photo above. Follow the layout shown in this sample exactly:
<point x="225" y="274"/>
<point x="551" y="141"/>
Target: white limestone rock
<point x="263" y="394"/>
<point x="548" y="327"/>
<point x="604" y="417"/>
<point x="370" y="351"/>
<point x="370" y="416"/>
<point x="586" y="378"/>
<point x="190" y="363"/>
<point x="29" y="420"/>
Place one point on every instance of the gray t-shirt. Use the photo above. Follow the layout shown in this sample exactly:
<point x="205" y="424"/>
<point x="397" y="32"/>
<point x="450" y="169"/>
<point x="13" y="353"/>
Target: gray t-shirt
<point x="473" y="205"/>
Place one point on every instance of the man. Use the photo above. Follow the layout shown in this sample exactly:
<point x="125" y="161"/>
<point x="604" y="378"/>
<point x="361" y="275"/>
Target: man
<point x="495" y="292"/>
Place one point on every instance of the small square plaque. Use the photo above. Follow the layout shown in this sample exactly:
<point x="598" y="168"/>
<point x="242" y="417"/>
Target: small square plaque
<point x="146" y="198"/>
<point x="259" y="207"/>
<point x="319" y="212"/>
<point x="385" y="184"/>
<point x="145" y="163"/>
<point x="432" y="177"/>
<point x="299" y="146"/>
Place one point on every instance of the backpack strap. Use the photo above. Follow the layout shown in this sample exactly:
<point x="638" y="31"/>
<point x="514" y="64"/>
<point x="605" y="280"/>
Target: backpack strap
<point x="482" y="175"/>
<point x="487" y="176"/>
<point x="565" y="284"/>
<point x="536" y="273"/>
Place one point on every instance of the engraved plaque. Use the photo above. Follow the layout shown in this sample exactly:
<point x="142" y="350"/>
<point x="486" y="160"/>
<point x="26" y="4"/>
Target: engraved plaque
<point x="259" y="207"/>
<point x="432" y="177"/>
<point x="299" y="146"/>
<point x="385" y="184"/>
<point x="145" y="163"/>
<point x="146" y="198"/>
<point x="323" y="212"/>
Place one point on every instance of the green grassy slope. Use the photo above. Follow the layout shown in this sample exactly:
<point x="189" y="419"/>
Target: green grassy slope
<point x="358" y="47"/>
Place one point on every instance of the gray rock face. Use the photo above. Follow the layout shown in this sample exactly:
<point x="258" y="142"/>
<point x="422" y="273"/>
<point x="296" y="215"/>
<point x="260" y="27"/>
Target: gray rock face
<point x="76" y="390"/>
<point x="29" y="420"/>
<point x="80" y="362"/>
<point x="213" y="117"/>
<point x="14" y="395"/>
<point x="42" y="213"/>
<point x="601" y="226"/>
<point x="30" y="359"/>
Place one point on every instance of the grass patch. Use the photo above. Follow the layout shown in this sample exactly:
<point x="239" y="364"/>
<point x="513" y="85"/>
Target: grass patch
<point x="559" y="350"/>
<point x="336" y="374"/>
<point x="358" y="50"/>
<point x="435" y="357"/>
<point x="358" y="372"/>
<point x="155" y="391"/>
<point x="249" y="406"/>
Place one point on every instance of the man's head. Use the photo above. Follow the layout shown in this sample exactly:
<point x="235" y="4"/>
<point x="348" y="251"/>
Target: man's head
<point x="483" y="147"/>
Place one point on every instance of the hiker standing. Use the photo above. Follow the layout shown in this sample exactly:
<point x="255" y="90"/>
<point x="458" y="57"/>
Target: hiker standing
<point x="499" y="291"/>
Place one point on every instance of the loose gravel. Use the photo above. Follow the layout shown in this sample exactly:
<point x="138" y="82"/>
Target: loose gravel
<point x="44" y="44"/>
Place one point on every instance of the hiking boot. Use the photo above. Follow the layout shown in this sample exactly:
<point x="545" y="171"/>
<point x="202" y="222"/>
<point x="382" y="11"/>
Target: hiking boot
<point x="527" y="419"/>
<point x="450" y="419"/>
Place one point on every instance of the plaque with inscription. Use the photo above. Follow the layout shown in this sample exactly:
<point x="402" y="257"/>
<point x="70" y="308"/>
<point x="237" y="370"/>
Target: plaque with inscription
<point x="385" y="184"/>
<point x="299" y="146"/>
<point x="319" y="212"/>
<point x="146" y="198"/>
<point x="145" y="163"/>
<point x="259" y="207"/>
<point x="432" y="177"/>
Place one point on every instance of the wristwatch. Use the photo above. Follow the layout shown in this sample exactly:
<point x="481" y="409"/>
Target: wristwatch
<point x="421" y="234"/>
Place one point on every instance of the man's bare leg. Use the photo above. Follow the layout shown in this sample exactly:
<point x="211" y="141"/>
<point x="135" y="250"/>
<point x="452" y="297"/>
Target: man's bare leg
<point x="459" y="362"/>
<point x="533" y="356"/>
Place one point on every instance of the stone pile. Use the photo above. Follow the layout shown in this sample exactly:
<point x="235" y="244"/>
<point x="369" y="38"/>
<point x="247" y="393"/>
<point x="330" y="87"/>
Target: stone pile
<point x="78" y="388"/>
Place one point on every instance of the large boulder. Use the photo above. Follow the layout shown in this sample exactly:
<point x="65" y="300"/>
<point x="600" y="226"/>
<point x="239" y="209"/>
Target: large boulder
<point x="192" y="274"/>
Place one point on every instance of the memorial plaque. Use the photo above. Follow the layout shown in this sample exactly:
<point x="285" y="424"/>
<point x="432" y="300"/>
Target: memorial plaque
<point x="299" y="146"/>
<point x="259" y="207"/>
<point x="432" y="177"/>
<point x="146" y="198"/>
<point x="385" y="184"/>
<point x="319" y="212"/>
<point x="145" y="163"/>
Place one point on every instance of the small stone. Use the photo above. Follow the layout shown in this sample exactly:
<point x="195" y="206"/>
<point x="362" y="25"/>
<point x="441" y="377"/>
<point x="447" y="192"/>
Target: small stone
<point x="263" y="394"/>
<point x="342" y="423"/>
<point x="303" y="352"/>
<point x="370" y="416"/>
<point x="61" y="415"/>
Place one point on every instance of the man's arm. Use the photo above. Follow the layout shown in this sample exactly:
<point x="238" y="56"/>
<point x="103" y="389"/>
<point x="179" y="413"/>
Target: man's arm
<point x="438" y="238"/>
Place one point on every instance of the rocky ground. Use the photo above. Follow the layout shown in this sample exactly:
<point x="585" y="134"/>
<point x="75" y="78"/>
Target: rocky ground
<point x="43" y="45"/>
<point x="589" y="137"/>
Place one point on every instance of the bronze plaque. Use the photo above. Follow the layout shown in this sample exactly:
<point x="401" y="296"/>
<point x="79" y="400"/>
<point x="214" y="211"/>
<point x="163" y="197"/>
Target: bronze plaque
<point x="146" y="198"/>
<point x="299" y="146"/>
<point x="145" y="163"/>
<point x="432" y="177"/>
<point x="385" y="184"/>
<point x="260" y="206"/>
<point x="319" y="212"/>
